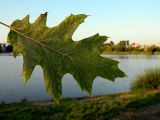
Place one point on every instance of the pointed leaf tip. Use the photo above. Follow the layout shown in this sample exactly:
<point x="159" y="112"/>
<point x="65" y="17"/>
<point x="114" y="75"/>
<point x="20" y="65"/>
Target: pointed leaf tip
<point x="40" y="22"/>
<point x="26" y="19"/>
<point x="46" y="13"/>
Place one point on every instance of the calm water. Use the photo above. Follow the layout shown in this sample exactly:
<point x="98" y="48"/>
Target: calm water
<point x="12" y="87"/>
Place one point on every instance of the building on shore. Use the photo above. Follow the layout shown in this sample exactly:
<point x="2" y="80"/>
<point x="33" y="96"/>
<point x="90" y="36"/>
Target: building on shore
<point x="135" y="45"/>
<point x="124" y="43"/>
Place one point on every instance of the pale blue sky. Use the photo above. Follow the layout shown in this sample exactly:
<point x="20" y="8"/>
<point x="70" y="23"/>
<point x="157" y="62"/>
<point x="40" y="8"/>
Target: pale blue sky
<point x="134" y="20"/>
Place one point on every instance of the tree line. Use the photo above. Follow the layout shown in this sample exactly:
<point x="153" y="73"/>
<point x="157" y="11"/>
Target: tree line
<point x="124" y="46"/>
<point x="5" y="48"/>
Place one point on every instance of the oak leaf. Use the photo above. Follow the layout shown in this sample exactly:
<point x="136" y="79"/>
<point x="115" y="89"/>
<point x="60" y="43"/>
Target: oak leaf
<point x="55" y="51"/>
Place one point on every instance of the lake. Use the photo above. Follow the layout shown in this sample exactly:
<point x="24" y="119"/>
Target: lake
<point x="12" y="87"/>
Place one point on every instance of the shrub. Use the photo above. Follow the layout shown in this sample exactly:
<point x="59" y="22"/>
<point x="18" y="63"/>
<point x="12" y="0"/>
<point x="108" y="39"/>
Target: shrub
<point x="150" y="79"/>
<point x="24" y="100"/>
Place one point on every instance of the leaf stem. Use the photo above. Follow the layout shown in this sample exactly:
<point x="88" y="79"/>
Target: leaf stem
<point x="19" y="32"/>
<point x="5" y="24"/>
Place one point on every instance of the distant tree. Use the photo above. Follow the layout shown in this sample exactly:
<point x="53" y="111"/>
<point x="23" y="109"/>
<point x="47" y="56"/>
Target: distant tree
<point x="111" y="43"/>
<point x="107" y="47"/>
<point x="0" y="48"/>
<point x="152" y="49"/>
<point x="9" y="48"/>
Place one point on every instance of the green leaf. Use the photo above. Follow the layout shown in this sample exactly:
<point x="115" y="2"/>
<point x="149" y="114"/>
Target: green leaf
<point x="55" y="51"/>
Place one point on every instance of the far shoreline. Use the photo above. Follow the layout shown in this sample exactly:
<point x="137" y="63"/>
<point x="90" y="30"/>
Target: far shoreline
<point x="103" y="53"/>
<point x="129" y="53"/>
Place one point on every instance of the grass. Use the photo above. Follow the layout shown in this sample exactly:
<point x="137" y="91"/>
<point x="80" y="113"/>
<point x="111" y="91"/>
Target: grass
<point x="117" y="106"/>
<point x="150" y="79"/>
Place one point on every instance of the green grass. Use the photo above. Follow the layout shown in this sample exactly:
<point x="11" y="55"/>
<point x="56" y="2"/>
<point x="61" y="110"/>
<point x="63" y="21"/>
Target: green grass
<point x="150" y="79"/>
<point x="94" y="108"/>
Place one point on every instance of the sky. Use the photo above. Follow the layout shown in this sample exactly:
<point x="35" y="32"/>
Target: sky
<point x="134" y="20"/>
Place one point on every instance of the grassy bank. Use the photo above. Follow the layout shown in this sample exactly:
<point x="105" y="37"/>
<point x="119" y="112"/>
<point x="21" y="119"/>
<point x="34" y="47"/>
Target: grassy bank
<point x="126" y="106"/>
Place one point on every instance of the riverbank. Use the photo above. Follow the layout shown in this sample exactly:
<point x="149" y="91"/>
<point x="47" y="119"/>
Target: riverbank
<point x="130" y="53"/>
<point x="124" y="106"/>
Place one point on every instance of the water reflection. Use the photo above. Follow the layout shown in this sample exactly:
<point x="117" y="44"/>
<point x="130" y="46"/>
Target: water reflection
<point x="132" y="56"/>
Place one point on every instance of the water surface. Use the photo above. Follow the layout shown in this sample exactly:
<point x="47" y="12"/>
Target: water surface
<point x="12" y="86"/>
